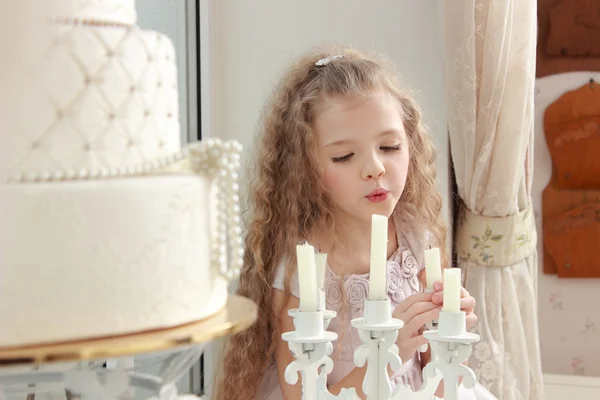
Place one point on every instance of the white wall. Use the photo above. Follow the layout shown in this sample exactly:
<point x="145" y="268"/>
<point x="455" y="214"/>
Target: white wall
<point x="571" y="347"/>
<point x="251" y="42"/>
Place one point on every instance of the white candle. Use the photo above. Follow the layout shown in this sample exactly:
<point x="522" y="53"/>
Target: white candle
<point x="378" y="268"/>
<point x="321" y="262"/>
<point x="452" y="288"/>
<point x="433" y="266"/>
<point x="307" y="277"/>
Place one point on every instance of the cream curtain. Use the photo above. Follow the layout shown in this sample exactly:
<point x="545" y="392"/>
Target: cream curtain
<point x="489" y="52"/>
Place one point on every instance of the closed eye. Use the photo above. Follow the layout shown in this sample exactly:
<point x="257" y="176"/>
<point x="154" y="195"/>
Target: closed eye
<point x="391" y="148"/>
<point x="342" y="158"/>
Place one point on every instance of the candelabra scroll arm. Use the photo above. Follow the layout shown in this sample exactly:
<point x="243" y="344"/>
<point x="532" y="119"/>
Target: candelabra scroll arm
<point x="311" y="346"/>
<point x="431" y="381"/>
<point x="323" y="390"/>
<point x="325" y="394"/>
<point x="309" y="359"/>
<point x="300" y="362"/>
<point x="450" y="359"/>
<point x="452" y="345"/>
<point x="378" y="350"/>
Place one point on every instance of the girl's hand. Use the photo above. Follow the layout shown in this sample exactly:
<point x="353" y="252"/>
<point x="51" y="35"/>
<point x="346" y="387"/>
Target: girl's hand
<point x="415" y="311"/>
<point x="467" y="302"/>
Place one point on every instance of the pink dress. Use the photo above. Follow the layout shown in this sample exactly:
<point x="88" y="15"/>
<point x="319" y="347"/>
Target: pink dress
<point x="402" y="270"/>
<point x="402" y="278"/>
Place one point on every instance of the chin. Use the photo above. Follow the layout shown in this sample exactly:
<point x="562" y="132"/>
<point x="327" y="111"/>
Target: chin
<point x="381" y="209"/>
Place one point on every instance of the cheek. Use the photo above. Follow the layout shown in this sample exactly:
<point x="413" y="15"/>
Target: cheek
<point x="403" y="163"/>
<point x="404" y="166"/>
<point x="400" y="168"/>
<point x="333" y="180"/>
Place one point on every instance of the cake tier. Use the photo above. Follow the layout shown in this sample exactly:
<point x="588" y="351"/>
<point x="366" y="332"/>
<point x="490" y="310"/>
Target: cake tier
<point x="96" y="11"/>
<point x="89" y="98"/>
<point x="94" y="258"/>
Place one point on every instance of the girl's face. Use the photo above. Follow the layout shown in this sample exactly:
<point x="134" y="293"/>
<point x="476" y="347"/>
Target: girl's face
<point x="363" y="154"/>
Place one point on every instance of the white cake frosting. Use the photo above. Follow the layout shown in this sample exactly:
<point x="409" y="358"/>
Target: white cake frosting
<point x="102" y="98"/>
<point x="99" y="11"/>
<point x="99" y="258"/>
<point x="108" y="226"/>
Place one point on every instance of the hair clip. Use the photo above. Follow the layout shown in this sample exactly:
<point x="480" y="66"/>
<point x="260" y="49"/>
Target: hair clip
<point x="324" y="61"/>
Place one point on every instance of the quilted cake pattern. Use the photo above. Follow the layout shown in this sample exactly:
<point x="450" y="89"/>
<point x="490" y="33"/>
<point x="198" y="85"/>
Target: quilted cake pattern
<point x="103" y="98"/>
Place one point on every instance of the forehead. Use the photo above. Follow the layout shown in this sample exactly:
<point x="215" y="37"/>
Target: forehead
<point x="340" y="118"/>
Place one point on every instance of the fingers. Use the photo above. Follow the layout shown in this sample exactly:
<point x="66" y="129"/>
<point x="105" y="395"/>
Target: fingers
<point x="416" y="323"/>
<point x="438" y="297"/>
<point x="471" y="320"/>
<point x="414" y="343"/>
<point x="468" y="303"/>
<point x="422" y="277"/>
<point x="412" y="300"/>
<point x="417" y="309"/>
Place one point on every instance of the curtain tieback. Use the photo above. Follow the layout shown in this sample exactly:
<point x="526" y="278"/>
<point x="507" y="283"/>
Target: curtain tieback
<point x="495" y="241"/>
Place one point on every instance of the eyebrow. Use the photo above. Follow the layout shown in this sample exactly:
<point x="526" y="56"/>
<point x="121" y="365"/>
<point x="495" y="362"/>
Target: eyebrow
<point x="389" y="132"/>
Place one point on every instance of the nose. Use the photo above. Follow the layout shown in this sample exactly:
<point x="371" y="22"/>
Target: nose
<point x="373" y="168"/>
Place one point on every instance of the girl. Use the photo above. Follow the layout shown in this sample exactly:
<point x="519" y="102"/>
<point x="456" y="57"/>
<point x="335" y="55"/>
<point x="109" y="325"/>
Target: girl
<point x="341" y="141"/>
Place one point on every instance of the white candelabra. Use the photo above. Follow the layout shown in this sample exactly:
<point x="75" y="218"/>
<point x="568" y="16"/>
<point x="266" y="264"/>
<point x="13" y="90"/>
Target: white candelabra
<point x="312" y="345"/>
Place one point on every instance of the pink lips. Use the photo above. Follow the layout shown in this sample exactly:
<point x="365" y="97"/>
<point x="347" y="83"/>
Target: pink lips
<point x="377" y="196"/>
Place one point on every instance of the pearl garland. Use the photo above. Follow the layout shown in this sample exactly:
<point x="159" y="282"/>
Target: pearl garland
<point x="221" y="159"/>
<point x="103" y="173"/>
<point x="217" y="159"/>
<point x="90" y="21"/>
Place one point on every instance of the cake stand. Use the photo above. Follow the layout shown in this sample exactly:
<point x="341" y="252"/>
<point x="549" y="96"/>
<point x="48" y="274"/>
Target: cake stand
<point x="76" y="367"/>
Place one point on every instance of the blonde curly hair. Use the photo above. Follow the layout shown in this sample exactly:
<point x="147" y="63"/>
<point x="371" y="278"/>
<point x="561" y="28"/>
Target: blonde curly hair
<point x="287" y="200"/>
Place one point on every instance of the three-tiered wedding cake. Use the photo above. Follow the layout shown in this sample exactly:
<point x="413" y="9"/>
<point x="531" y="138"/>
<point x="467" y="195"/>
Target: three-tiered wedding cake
<point x="106" y="224"/>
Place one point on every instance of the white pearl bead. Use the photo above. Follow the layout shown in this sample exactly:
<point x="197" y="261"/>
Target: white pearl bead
<point x="235" y="231"/>
<point x="219" y="160"/>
